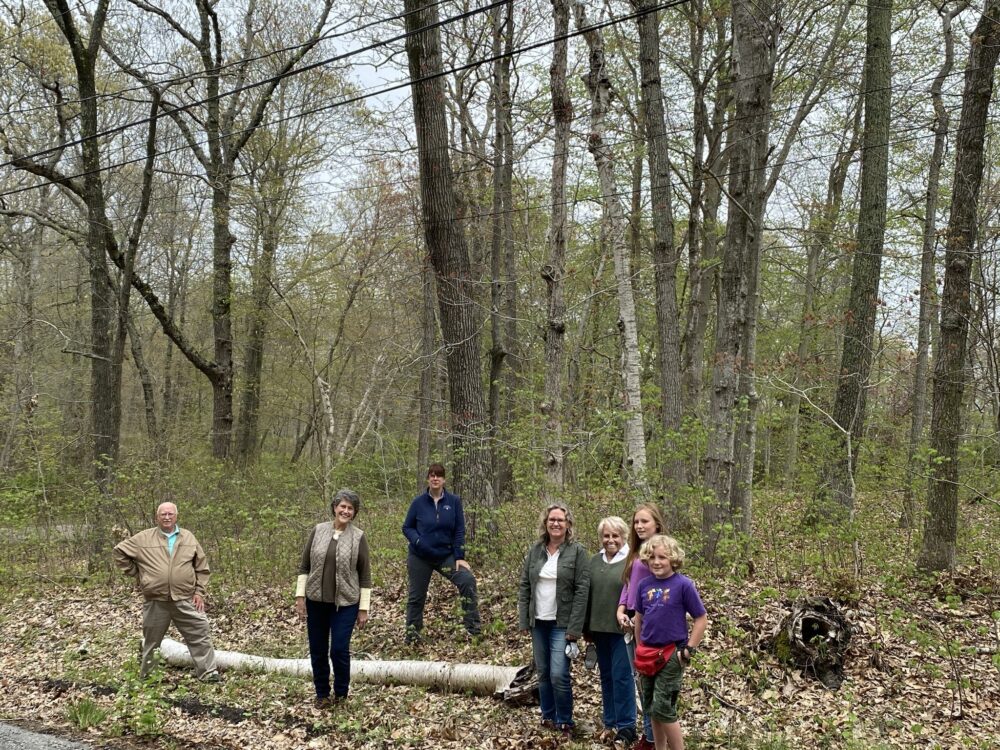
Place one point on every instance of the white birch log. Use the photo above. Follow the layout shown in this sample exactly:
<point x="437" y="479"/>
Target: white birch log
<point x="481" y="679"/>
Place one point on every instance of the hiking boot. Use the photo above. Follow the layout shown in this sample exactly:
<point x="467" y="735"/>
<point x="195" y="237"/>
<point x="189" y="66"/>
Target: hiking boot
<point x="323" y="702"/>
<point x="212" y="676"/>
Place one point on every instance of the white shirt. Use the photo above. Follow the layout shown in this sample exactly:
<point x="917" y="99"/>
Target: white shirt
<point x="545" y="589"/>
<point x="619" y="555"/>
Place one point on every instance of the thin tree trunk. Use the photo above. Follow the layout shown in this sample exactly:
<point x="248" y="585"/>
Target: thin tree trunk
<point x="859" y="328"/>
<point x="247" y="444"/>
<point x="703" y="226"/>
<point x="664" y="251"/>
<point x="503" y="307"/>
<point x="554" y="270"/>
<point x="928" y="257"/>
<point x="961" y="248"/>
<point x="428" y="371"/>
<point x="614" y="217"/>
<point x="754" y="33"/>
<point x="148" y="389"/>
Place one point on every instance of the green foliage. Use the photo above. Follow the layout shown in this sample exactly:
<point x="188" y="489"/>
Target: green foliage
<point x="139" y="706"/>
<point x="85" y="713"/>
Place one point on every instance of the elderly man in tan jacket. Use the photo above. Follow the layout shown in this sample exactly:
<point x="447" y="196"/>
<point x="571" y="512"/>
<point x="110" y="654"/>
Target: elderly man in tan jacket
<point x="172" y="572"/>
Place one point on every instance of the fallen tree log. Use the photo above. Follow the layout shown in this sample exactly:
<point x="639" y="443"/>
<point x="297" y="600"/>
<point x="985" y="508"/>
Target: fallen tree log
<point x="511" y="684"/>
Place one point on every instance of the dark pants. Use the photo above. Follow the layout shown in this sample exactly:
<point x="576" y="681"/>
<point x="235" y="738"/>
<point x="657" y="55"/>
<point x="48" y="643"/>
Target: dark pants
<point x="330" y="628"/>
<point x="418" y="572"/>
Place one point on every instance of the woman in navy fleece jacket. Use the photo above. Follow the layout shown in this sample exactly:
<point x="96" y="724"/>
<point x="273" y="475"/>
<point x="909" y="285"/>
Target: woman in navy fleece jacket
<point x="435" y="528"/>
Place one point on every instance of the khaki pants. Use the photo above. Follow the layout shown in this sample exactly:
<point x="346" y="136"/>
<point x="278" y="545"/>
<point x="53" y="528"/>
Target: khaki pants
<point x="193" y="627"/>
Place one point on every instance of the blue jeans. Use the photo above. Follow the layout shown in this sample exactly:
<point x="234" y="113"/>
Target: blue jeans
<point x="330" y="628"/>
<point x="548" y="644"/>
<point x="647" y="722"/>
<point x="617" y="684"/>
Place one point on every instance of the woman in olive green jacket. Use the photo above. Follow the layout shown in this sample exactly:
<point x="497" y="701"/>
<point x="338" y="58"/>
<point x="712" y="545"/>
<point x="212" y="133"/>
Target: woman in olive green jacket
<point x="552" y="605"/>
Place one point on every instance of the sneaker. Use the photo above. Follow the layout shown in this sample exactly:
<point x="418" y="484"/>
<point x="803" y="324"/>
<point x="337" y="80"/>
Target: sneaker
<point x="212" y="676"/>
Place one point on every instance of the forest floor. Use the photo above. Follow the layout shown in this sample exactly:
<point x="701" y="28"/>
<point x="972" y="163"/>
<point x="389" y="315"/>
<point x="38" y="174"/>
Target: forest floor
<point x="922" y="669"/>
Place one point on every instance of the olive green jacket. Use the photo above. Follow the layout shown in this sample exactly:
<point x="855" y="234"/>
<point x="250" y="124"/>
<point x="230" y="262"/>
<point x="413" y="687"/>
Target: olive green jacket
<point x="572" y="587"/>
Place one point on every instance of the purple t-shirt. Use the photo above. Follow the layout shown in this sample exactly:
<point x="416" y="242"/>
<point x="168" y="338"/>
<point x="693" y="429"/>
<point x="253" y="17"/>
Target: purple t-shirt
<point x="639" y="571"/>
<point x="664" y="604"/>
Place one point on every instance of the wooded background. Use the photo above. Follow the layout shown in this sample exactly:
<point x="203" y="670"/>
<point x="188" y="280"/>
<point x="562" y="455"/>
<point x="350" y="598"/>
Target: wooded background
<point x="675" y="251"/>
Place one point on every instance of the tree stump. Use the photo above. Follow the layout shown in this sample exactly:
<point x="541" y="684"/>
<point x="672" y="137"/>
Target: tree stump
<point x="813" y="638"/>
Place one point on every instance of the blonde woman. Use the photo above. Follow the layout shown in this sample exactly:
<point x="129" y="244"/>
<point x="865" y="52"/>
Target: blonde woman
<point x="617" y="686"/>
<point x="552" y="606"/>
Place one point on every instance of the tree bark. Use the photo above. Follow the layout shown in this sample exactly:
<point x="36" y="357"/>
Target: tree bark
<point x="503" y="305"/>
<point x="859" y="317"/>
<point x="941" y="525"/>
<point x="554" y="270"/>
<point x="105" y="395"/>
<point x="599" y="87"/>
<point x="755" y="40"/>
<point x="928" y="257"/>
<point x="664" y="251"/>
<point x="450" y="258"/>
<point x="428" y="373"/>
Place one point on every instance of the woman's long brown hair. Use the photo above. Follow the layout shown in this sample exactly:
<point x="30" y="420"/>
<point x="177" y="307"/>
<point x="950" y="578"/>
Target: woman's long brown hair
<point x="633" y="538"/>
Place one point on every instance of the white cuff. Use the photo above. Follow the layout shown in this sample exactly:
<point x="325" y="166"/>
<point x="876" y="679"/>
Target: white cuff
<point x="300" y="585"/>
<point x="366" y="600"/>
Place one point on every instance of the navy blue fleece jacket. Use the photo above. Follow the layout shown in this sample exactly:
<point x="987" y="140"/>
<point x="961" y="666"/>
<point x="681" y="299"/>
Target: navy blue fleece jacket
<point x="436" y="531"/>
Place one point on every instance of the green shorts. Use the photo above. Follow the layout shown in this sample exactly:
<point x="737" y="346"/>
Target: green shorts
<point x="660" y="693"/>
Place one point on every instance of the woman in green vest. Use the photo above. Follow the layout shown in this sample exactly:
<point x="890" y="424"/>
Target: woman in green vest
<point x="333" y="594"/>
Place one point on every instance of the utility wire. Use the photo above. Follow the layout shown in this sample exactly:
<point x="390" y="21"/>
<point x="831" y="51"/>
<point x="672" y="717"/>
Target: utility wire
<point x="204" y="74"/>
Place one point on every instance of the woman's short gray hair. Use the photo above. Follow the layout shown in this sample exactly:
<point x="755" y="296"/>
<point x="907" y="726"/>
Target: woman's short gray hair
<point x="350" y="496"/>
<point x="617" y="523"/>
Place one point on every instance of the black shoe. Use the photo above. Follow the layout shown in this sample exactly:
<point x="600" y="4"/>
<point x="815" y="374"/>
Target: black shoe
<point x="412" y="638"/>
<point x="626" y="736"/>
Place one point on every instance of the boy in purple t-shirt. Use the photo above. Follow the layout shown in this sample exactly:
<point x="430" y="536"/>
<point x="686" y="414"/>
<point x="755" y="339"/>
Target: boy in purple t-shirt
<point x="663" y="601"/>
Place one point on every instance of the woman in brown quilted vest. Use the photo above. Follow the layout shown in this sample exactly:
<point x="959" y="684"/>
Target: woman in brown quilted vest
<point x="333" y="594"/>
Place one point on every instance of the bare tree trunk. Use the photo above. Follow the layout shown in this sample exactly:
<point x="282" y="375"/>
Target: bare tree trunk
<point x="928" y="288"/>
<point x="450" y="257"/>
<point x="710" y="161"/>
<point x="961" y="249"/>
<point x="503" y="307"/>
<point x="755" y="39"/>
<point x="614" y="217"/>
<point x="856" y="359"/>
<point x="554" y="270"/>
<point x="428" y="370"/>
<point x="664" y="251"/>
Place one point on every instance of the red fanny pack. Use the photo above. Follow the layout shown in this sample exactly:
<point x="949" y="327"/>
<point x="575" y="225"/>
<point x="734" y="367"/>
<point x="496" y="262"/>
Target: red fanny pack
<point x="651" y="659"/>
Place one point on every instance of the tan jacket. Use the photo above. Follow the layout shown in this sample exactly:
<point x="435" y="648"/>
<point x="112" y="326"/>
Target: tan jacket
<point x="163" y="577"/>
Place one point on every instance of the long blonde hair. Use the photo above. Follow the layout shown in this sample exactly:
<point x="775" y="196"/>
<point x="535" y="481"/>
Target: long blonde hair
<point x="633" y="539"/>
